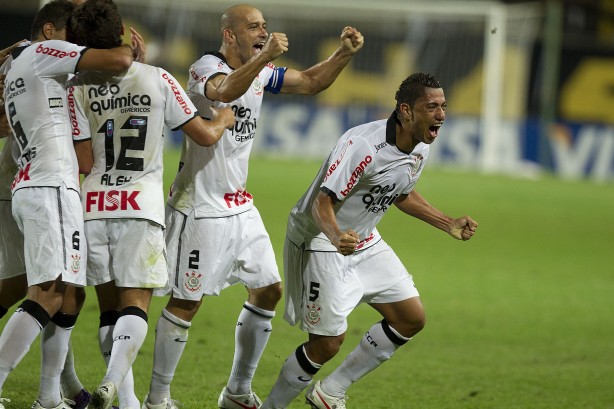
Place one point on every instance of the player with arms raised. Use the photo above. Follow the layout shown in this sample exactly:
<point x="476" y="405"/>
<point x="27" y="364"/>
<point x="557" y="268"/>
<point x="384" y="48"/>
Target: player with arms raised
<point x="215" y="235"/>
<point x="335" y="259"/>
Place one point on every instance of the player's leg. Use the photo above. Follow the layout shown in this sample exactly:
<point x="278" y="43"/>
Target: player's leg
<point x="13" y="279"/>
<point x="128" y="337"/>
<point x="400" y="307"/>
<point x="55" y="340"/>
<point x="185" y="278"/>
<point x="51" y="220"/>
<point x="256" y="268"/>
<point x="138" y="266"/>
<point x="331" y="290"/>
<point x="170" y="341"/>
<point x="12" y="290"/>
<point x="108" y="304"/>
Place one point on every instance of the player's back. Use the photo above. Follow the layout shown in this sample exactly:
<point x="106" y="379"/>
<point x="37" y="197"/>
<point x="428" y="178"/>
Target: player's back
<point x="125" y="116"/>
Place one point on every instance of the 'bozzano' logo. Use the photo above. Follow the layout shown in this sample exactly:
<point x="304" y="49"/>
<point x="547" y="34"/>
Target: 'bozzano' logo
<point x="52" y="52"/>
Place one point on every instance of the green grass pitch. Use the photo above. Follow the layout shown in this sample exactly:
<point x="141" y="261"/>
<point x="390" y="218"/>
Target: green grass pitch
<point x="520" y="317"/>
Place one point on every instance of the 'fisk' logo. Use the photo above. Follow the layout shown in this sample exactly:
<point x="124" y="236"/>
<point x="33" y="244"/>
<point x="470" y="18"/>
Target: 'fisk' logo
<point x="111" y="200"/>
<point x="237" y="198"/>
<point x="52" y="52"/>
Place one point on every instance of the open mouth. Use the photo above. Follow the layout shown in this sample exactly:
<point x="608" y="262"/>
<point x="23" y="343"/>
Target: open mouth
<point x="258" y="47"/>
<point x="434" y="130"/>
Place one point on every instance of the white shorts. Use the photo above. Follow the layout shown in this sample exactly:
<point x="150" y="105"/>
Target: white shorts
<point x="51" y="220"/>
<point x="129" y="251"/>
<point x="333" y="285"/>
<point x="12" y="263"/>
<point x="207" y="255"/>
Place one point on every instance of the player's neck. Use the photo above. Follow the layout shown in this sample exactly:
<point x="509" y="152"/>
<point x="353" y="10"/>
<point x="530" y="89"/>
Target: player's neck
<point x="404" y="142"/>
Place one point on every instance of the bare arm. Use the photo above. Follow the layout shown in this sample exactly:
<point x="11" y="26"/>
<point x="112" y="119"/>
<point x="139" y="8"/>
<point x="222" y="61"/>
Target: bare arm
<point x="227" y="88"/>
<point x="415" y="205"/>
<point x="324" y="216"/>
<point x="4" y="53"/>
<point x="85" y="155"/>
<point x="113" y="60"/>
<point x="207" y="133"/>
<point x="322" y="75"/>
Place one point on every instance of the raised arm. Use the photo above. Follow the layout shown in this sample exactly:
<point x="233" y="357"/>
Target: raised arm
<point x="324" y="216"/>
<point x="322" y="75"/>
<point x="227" y="88"/>
<point x="114" y="60"/>
<point x="415" y="205"/>
<point x="207" y="133"/>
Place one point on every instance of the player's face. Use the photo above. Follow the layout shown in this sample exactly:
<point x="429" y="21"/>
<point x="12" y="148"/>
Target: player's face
<point x="429" y="112"/>
<point x="250" y="34"/>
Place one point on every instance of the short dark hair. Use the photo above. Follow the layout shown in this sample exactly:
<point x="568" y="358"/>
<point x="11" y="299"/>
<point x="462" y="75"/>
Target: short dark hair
<point x="96" y="24"/>
<point x="413" y="86"/>
<point x="56" y="12"/>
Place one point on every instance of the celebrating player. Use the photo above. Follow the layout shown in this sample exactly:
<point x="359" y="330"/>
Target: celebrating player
<point x="215" y="236"/>
<point x="118" y="125"/>
<point x="335" y="259"/>
<point x="45" y="190"/>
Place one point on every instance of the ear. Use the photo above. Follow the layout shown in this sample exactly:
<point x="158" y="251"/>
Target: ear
<point x="47" y="31"/>
<point x="121" y="33"/>
<point x="229" y="36"/>
<point x="406" y="111"/>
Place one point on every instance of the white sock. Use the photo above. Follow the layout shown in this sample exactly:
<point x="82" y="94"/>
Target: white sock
<point x="171" y="338"/>
<point x="251" y="336"/>
<point x="54" y="347"/>
<point x="71" y="385"/>
<point x="295" y="375"/>
<point x="128" y="336"/>
<point x="125" y="392"/>
<point x="375" y="347"/>
<point x="18" y="334"/>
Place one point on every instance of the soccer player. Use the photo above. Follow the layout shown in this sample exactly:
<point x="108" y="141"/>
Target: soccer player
<point x="215" y="236"/>
<point x="13" y="280"/>
<point x="118" y="127"/>
<point x="335" y="259"/>
<point x="45" y="201"/>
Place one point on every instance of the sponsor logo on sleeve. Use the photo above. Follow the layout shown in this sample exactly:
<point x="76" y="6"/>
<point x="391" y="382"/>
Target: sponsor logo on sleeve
<point x="56" y="103"/>
<point x="52" y="52"/>
<point x="356" y="174"/>
<point x="178" y="94"/>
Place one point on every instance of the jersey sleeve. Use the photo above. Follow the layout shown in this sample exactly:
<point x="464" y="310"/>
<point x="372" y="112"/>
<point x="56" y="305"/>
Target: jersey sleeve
<point x="178" y="109"/>
<point x="79" y="123"/>
<point x="349" y="163"/>
<point x="56" y="57"/>
<point x="203" y="70"/>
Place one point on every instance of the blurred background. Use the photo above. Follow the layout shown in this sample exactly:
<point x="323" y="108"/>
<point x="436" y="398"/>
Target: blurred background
<point x="530" y="85"/>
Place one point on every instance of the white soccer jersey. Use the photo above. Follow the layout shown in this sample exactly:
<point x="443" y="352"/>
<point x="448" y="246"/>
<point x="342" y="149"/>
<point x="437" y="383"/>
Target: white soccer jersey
<point x="35" y="102"/>
<point x="212" y="180"/>
<point x="124" y="116"/>
<point x="366" y="173"/>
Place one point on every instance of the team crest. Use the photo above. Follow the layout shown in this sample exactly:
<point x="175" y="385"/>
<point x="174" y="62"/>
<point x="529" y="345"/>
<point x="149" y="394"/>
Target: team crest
<point x="416" y="165"/>
<point x="258" y="87"/>
<point x="192" y="281"/>
<point x="75" y="265"/>
<point x="313" y="314"/>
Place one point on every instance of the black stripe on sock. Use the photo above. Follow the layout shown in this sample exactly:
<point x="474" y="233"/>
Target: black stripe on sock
<point x="134" y="311"/>
<point x="36" y="311"/>
<point x="65" y="321"/>
<point x="108" y="318"/>
<point x="253" y="311"/>
<point x="304" y="362"/>
<point x="391" y="335"/>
